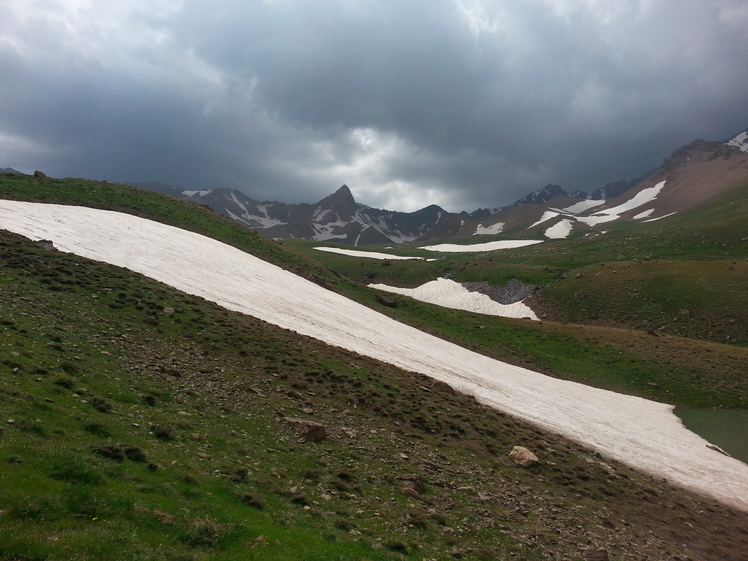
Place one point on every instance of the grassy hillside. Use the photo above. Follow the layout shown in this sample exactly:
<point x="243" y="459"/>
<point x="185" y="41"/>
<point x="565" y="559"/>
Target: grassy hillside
<point x="686" y="277"/>
<point x="140" y="422"/>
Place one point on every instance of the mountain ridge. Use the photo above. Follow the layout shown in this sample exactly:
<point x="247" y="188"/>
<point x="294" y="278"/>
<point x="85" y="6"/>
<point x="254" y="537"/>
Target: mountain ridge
<point x="339" y="218"/>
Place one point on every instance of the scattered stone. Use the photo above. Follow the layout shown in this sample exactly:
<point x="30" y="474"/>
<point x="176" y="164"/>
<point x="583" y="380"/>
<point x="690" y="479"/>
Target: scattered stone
<point x="45" y="244"/>
<point x="310" y="431"/>
<point x="387" y="300"/>
<point x="596" y="554"/>
<point x="523" y="457"/>
<point x="413" y="485"/>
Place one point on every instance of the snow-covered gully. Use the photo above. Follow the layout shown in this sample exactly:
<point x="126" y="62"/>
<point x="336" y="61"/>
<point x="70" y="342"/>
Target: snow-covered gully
<point x="642" y="433"/>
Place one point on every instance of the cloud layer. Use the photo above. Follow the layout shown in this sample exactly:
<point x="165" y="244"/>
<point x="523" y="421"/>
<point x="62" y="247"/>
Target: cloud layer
<point x="462" y="103"/>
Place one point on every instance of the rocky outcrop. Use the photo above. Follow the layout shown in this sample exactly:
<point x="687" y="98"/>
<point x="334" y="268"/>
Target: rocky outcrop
<point x="513" y="291"/>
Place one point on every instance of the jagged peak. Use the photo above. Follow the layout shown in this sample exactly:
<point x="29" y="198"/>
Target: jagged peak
<point x="340" y="198"/>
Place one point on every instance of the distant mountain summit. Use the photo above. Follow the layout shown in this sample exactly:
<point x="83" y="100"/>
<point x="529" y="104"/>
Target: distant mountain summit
<point x="688" y="177"/>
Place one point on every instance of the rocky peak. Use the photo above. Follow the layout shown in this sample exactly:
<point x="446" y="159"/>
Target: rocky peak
<point x="541" y="195"/>
<point x="342" y="199"/>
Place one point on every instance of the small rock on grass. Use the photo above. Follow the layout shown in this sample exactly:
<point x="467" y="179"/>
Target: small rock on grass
<point x="523" y="457"/>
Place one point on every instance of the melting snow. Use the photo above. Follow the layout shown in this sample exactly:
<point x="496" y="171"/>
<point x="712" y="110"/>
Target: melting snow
<point x="660" y="217"/>
<point x="369" y="254"/>
<point x="608" y="215"/>
<point x="644" y="214"/>
<point x="581" y="206"/>
<point x="480" y="229"/>
<point x="488" y="246"/>
<point x="642" y="433"/>
<point x="451" y="294"/>
<point x="560" y="230"/>
<point x="740" y="142"/>
<point x="547" y="215"/>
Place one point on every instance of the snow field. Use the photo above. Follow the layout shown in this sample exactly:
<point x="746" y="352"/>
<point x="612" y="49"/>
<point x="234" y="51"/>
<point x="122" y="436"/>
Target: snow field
<point x="642" y="433"/>
<point x="451" y="294"/>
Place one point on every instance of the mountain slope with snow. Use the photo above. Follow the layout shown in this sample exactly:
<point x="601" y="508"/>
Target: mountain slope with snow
<point x="642" y="433"/>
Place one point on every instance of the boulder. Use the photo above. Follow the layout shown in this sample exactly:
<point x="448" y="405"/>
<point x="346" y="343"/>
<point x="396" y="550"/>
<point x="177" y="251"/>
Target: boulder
<point x="311" y="431"/>
<point x="386" y="300"/>
<point x="523" y="457"/>
<point x="596" y="554"/>
<point x="412" y="485"/>
<point x="38" y="173"/>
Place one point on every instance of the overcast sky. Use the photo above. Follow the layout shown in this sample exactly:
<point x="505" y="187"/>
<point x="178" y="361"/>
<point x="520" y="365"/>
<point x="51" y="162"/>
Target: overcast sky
<point x="460" y="103"/>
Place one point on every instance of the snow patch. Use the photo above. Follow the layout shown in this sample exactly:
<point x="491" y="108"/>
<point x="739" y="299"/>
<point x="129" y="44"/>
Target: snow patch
<point x="582" y="206"/>
<point x="451" y="294"/>
<point x="560" y="230"/>
<point x="198" y="193"/>
<point x="368" y="254"/>
<point x="488" y="246"/>
<point x="740" y="142"/>
<point x="608" y="215"/>
<point x="644" y="214"/>
<point x="547" y="215"/>
<point x="480" y="229"/>
<point x="660" y="217"/>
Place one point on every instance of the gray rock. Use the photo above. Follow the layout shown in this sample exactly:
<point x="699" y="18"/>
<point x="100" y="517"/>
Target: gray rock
<point x="311" y="431"/>
<point x="523" y="457"/>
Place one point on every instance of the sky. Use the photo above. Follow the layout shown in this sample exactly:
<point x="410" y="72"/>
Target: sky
<point x="462" y="103"/>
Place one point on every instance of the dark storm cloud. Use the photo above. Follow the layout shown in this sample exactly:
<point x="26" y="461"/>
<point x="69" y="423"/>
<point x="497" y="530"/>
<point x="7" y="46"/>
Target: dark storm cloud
<point x="462" y="103"/>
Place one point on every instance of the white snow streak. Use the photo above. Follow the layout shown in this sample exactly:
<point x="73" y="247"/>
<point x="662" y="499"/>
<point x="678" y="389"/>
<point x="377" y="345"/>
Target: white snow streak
<point x="547" y="215"/>
<point x="451" y="294"/>
<point x="740" y="142"/>
<point x="660" y="217"/>
<point x="488" y="246"/>
<point x="644" y="214"/>
<point x="642" y="433"/>
<point x="608" y="215"/>
<point x="367" y="254"/>
<point x="581" y="206"/>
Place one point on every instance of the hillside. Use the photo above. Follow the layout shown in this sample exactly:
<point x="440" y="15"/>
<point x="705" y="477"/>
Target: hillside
<point x="185" y="349"/>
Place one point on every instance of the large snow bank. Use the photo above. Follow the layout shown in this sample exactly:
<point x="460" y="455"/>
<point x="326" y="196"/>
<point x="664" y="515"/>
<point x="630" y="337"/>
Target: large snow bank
<point x="451" y="294"/>
<point x="639" y="432"/>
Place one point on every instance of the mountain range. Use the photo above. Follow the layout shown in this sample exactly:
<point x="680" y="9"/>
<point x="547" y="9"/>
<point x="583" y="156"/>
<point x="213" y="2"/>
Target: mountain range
<point x="689" y="177"/>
